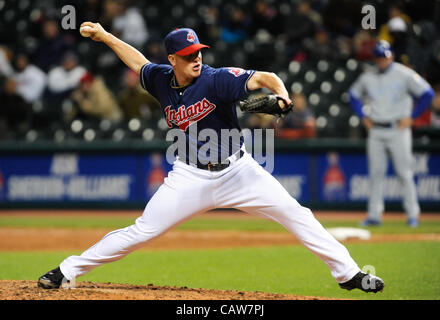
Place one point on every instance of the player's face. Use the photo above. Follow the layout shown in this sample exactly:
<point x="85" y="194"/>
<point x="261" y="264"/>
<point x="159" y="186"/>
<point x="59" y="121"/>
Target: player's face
<point x="190" y="66"/>
<point x="383" y="63"/>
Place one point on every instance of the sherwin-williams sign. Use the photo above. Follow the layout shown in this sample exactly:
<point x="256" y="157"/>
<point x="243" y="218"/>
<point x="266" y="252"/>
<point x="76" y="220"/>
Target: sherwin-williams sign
<point x="344" y="178"/>
<point x="68" y="177"/>
<point x="312" y="177"/>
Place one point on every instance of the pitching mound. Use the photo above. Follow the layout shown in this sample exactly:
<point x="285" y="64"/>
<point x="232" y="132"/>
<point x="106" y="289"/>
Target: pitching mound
<point x="28" y="290"/>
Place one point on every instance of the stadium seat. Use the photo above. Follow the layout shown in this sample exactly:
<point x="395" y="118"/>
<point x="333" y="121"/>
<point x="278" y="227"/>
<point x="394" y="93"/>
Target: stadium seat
<point x="324" y="82"/>
<point x="324" y="68"/>
<point x="322" y="107"/>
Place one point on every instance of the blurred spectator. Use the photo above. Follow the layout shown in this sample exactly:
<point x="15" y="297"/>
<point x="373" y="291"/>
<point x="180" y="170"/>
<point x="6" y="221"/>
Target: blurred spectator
<point x="90" y="10"/>
<point x="432" y="69"/>
<point x="258" y="121"/>
<point x="235" y="27"/>
<point x="130" y="24"/>
<point x="155" y="51"/>
<point x="31" y="81"/>
<point x="421" y="45"/>
<point x="363" y="45"/>
<point x="298" y="124"/>
<point x="94" y="100"/>
<point x="311" y="30"/>
<point x="435" y="112"/>
<point x="13" y="108"/>
<point x="397" y="32"/>
<point x="320" y="47"/>
<point x="105" y="62"/>
<point x="63" y="79"/>
<point x="6" y="69"/>
<point x="52" y="47"/>
<point x="305" y="7"/>
<point x="110" y="10"/>
<point x="208" y="27"/>
<point x="341" y="17"/>
<point x="266" y="17"/>
<point x="400" y="38"/>
<point x="136" y="102"/>
<point x="400" y="24"/>
<point x="302" y="23"/>
<point x="344" y="46"/>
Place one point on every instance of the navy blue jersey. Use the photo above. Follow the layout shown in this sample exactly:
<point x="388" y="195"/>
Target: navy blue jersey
<point x="208" y="103"/>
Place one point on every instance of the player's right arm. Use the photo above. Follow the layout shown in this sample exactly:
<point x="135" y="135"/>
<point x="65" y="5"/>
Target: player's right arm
<point x="356" y="104"/>
<point x="129" y="55"/>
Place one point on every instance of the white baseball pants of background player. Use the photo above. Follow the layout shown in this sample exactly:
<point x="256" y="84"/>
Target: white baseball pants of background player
<point x="188" y="191"/>
<point x="397" y="143"/>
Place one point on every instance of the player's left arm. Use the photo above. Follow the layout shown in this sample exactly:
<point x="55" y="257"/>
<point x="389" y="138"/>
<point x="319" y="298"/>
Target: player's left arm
<point x="271" y="81"/>
<point x="422" y="93"/>
<point x="423" y="102"/>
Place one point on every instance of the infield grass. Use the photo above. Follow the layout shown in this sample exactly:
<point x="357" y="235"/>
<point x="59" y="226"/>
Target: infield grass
<point x="204" y="223"/>
<point x="410" y="269"/>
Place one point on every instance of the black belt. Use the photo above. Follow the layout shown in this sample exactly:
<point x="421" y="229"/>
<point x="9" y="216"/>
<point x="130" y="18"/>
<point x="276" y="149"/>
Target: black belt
<point x="383" y="124"/>
<point x="216" y="166"/>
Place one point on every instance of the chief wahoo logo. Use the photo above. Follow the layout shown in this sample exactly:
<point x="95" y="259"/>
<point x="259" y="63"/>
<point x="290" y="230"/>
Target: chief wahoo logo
<point x="190" y="37"/>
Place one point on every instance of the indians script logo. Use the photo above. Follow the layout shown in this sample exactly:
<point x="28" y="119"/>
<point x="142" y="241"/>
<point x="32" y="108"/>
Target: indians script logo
<point x="190" y="37"/>
<point x="184" y="116"/>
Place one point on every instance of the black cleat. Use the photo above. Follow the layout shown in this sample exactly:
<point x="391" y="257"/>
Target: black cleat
<point x="364" y="281"/>
<point x="51" y="280"/>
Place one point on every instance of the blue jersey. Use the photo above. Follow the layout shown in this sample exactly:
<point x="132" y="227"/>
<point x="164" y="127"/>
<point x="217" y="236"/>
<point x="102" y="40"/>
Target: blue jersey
<point x="208" y="103"/>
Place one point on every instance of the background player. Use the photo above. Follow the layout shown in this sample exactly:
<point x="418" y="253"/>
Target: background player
<point x="389" y="90"/>
<point x="194" y="95"/>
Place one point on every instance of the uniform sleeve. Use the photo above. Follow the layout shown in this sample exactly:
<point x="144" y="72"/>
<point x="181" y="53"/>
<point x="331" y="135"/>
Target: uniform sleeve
<point x="358" y="87"/>
<point x="148" y="76"/>
<point x="422" y="103"/>
<point x="230" y="84"/>
<point x="417" y="86"/>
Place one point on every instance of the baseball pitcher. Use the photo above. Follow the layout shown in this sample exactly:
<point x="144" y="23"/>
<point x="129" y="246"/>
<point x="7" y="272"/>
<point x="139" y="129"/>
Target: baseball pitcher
<point x="195" y="96"/>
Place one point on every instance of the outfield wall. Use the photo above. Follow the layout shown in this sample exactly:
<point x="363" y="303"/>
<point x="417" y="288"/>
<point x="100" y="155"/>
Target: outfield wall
<point x="323" y="174"/>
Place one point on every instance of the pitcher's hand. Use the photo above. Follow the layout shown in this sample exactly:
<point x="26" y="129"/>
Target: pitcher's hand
<point x="97" y="32"/>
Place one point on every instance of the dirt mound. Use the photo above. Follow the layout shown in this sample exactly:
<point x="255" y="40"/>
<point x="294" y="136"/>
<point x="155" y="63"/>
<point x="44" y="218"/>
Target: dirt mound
<point x="28" y="290"/>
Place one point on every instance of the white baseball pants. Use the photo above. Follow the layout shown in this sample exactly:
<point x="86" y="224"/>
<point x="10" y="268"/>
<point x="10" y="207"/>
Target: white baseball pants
<point x="187" y="191"/>
<point x="397" y="144"/>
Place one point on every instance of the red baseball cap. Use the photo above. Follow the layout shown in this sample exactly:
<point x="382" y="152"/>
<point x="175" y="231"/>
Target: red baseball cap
<point x="87" y="78"/>
<point x="183" y="42"/>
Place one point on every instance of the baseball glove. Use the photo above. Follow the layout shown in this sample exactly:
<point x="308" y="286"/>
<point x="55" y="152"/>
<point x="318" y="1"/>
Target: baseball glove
<point x="267" y="104"/>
